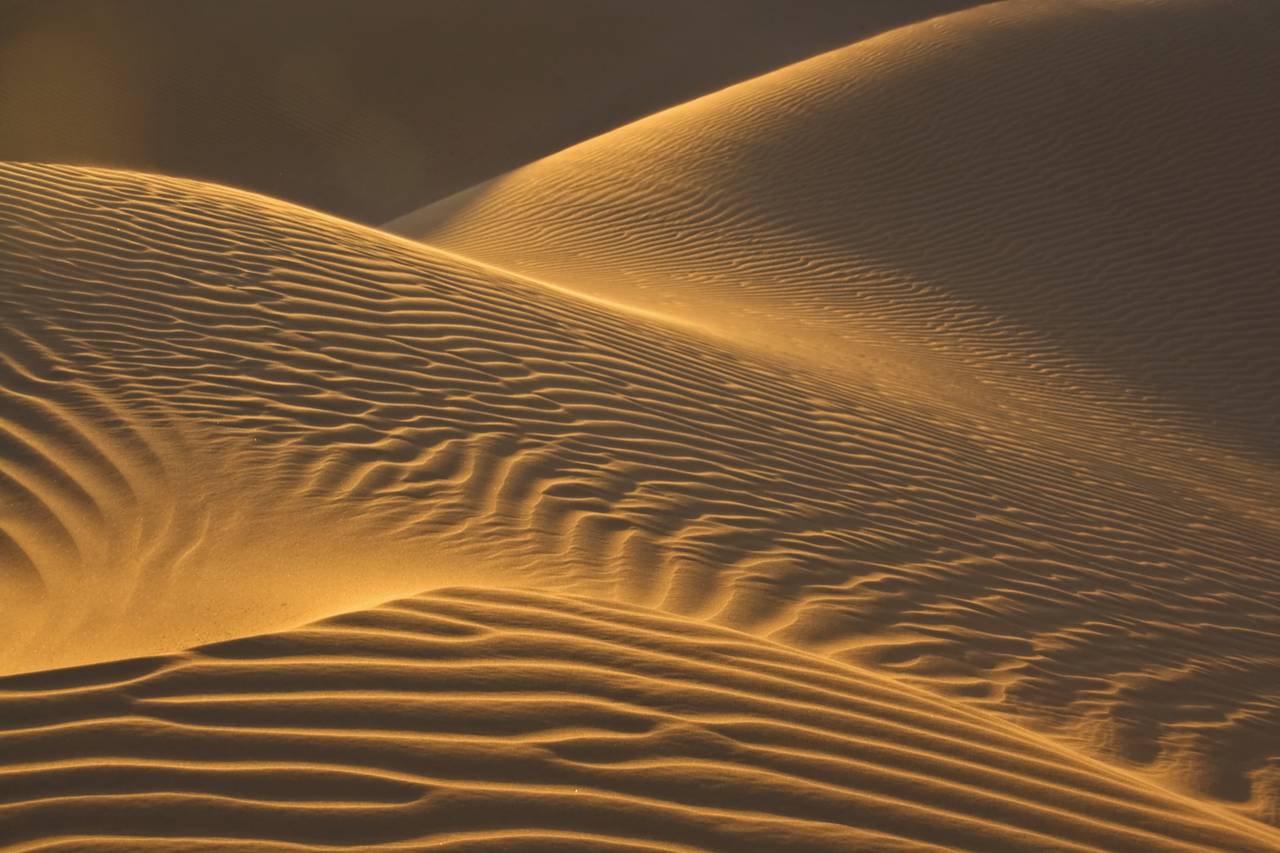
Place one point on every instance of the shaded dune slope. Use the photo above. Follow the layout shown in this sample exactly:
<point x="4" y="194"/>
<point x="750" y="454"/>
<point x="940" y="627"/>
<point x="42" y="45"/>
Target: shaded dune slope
<point x="501" y="719"/>
<point x="1083" y="194"/>
<point x="356" y="416"/>
<point x="372" y="109"/>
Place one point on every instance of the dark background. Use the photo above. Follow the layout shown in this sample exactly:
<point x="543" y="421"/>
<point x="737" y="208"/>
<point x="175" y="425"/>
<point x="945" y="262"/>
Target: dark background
<point x="371" y="109"/>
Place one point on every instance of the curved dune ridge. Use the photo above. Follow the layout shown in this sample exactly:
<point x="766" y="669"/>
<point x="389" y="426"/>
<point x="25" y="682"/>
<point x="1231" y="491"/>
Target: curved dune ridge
<point x="341" y="415"/>
<point x="490" y="719"/>
<point x="1086" y="188"/>
<point x="907" y="413"/>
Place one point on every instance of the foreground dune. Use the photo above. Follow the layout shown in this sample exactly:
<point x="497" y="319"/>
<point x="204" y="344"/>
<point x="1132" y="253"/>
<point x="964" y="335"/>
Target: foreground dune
<point x="370" y="109"/>
<point x="907" y="413"/>
<point x="486" y="719"/>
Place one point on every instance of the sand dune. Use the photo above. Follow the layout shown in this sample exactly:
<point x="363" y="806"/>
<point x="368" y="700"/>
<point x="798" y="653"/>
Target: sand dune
<point x="370" y="109"/>
<point x="877" y="454"/>
<point x="1055" y="219"/>
<point x="326" y="414"/>
<point x="487" y="719"/>
<point x="1089" y="188"/>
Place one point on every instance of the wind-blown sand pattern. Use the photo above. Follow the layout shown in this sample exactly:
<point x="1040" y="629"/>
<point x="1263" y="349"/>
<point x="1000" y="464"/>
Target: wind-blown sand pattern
<point x="1073" y="275"/>
<point x="1086" y="188"/>
<point x="877" y="454"/>
<point x="500" y="718"/>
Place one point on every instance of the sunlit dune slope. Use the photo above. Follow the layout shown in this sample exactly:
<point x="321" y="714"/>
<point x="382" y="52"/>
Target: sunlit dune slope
<point x="1066" y="198"/>
<point x="224" y="415"/>
<point x="487" y="719"/>
<point x="371" y="108"/>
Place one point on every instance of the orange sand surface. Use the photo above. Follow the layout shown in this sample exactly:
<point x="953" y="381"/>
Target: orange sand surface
<point x="876" y="454"/>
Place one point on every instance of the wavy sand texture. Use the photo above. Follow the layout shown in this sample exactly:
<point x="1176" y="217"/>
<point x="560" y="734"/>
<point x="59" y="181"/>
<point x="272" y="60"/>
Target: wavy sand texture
<point x="1080" y="193"/>
<point x="1055" y="219"/>
<point x="370" y="108"/>
<point x="489" y="719"/>
<point x="306" y="414"/>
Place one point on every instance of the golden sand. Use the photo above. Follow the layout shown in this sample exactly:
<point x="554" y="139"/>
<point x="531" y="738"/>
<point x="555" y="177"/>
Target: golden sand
<point x="873" y="455"/>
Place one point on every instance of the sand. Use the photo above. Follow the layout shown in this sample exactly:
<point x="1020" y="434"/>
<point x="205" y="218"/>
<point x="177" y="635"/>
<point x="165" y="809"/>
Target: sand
<point x="873" y="455"/>
<point x="944" y="182"/>
<point x="483" y="719"/>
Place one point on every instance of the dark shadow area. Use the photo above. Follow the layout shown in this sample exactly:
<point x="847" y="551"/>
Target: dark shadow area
<point x="370" y="109"/>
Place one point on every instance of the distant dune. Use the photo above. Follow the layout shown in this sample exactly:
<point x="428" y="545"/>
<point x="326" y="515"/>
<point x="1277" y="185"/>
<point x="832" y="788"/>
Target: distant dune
<point x="371" y="108"/>
<point x="1089" y="188"/>
<point x="877" y="454"/>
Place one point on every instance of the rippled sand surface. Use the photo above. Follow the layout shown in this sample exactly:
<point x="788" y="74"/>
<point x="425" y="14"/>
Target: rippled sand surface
<point x="878" y="454"/>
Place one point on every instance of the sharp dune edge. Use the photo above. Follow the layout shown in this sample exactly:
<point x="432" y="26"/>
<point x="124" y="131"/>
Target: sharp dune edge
<point x="755" y="506"/>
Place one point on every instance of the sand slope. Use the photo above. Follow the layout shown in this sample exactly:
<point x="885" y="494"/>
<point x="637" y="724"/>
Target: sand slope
<point x="489" y="719"/>
<point x="226" y="415"/>
<point x="907" y="412"/>
<point x="370" y="109"/>
<point x="1081" y="193"/>
<point x="1054" y="221"/>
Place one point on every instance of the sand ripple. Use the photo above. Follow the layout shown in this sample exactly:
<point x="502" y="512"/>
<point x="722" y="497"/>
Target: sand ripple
<point x="943" y="394"/>
<point x="487" y="719"/>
